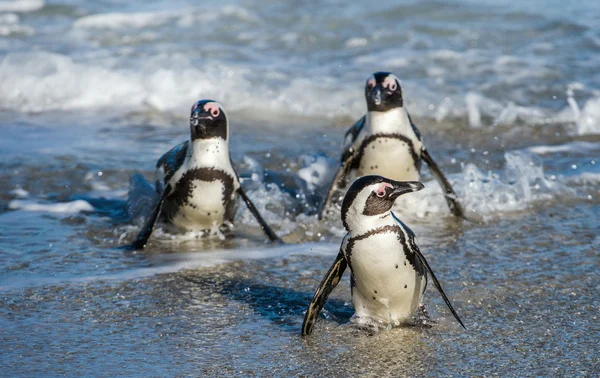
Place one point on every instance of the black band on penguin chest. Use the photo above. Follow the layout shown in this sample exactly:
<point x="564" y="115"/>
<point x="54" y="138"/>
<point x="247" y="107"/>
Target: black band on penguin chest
<point x="371" y="138"/>
<point x="184" y="188"/>
<point x="407" y="246"/>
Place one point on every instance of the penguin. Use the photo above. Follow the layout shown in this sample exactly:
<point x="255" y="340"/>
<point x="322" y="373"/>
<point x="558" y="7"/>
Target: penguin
<point x="388" y="271"/>
<point x="386" y="142"/>
<point x="196" y="180"/>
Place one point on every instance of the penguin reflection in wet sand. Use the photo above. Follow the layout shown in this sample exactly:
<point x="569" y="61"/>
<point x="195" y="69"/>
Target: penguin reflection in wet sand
<point x="196" y="180"/>
<point x="386" y="142"/>
<point x="388" y="271"/>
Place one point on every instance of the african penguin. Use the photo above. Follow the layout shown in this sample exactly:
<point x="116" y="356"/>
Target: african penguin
<point x="386" y="142"/>
<point x="196" y="181"/>
<point x="388" y="271"/>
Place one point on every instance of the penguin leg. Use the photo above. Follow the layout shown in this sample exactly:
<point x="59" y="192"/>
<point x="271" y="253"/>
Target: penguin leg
<point x="438" y="286"/>
<point x="142" y="238"/>
<point x="449" y="194"/>
<point x="340" y="177"/>
<point x="329" y="282"/>
<point x="265" y="227"/>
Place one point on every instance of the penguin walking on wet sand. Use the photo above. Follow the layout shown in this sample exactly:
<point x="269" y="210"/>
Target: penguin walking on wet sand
<point x="386" y="142"/>
<point x="388" y="271"/>
<point x="196" y="181"/>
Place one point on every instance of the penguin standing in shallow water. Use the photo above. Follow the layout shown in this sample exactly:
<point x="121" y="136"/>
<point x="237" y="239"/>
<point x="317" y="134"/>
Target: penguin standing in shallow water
<point x="385" y="142"/>
<point x="388" y="271"/>
<point x="196" y="180"/>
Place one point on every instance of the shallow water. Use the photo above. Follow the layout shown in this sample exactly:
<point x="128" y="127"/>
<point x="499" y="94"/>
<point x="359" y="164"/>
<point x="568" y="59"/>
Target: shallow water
<point x="508" y="99"/>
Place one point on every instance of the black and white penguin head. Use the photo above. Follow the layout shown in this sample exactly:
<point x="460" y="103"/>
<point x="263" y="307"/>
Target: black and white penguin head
<point x="208" y="120"/>
<point x="383" y="92"/>
<point x="370" y="199"/>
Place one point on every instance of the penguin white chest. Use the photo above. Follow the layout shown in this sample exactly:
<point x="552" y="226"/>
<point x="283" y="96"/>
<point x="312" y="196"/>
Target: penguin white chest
<point x="387" y="289"/>
<point x="390" y="157"/>
<point x="203" y="207"/>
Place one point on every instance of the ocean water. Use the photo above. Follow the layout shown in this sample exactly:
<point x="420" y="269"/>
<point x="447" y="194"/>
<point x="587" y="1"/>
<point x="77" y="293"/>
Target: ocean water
<point x="507" y="97"/>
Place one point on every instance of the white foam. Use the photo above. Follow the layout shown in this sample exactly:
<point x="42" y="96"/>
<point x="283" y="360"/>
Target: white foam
<point x="169" y="82"/>
<point x="519" y="185"/>
<point x="28" y="82"/>
<point x="19" y="193"/>
<point x="136" y="20"/>
<point x="356" y="42"/>
<point x="588" y="178"/>
<point x="9" y="24"/>
<point x="21" y="5"/>
<point x="588" y="121"/>
<point x="176" y="262"/>
<point x="573" y="146"/>
<point x="61" y="207"/>
<point x="317" y="173"/>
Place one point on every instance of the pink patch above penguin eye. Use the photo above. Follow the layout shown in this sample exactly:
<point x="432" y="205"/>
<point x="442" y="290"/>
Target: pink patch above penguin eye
<point x="212" y="109"/>
<point x="390" y="83"/>
<point x="381" y="190"/>
<point x="371" y="83"/>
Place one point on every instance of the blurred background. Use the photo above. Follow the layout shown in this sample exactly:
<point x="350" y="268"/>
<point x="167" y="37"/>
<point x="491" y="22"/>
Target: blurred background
<point x="506" y="94"/>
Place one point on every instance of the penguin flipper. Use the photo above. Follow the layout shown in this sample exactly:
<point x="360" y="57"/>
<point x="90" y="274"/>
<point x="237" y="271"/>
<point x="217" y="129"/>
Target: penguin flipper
<point x="414" y="127"/>
<point x="169" y="163"/>
<point x="329" y="282"/>
<point x="437" y="284"/>
<point x="263" y="224"/>
<point x="340" y="177"/>
<point x="351" y="136"/>
<point x="451" y="198"/>
<point x="142" y="238"/>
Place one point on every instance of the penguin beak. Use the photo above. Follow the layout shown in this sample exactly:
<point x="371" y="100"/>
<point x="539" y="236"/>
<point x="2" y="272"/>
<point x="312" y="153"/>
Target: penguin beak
<point x="402" y="187"/>
<point x="376" y="95"/>
<point x="201" y="115"/>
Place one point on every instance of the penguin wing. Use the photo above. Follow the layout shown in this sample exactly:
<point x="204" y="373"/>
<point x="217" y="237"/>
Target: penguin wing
<point x="142" y="238"/>
<point x="263" y="224"/>
<point x="347" y="157"/>
<point x="451" y="197"/>
<point x="350" y="137"/>
<point x="414" y="127"/>
<point x="437" y="284"/>
<point x="340" y="177"/>
<point x="329" y="282"/>
<point x="169" y="163"/>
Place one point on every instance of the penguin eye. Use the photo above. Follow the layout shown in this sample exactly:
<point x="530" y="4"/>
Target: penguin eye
<point x="381" y="191"/>
<point x="370" y="83"/>
<point x="212" y="109"/>
<point x="393" y="86"/>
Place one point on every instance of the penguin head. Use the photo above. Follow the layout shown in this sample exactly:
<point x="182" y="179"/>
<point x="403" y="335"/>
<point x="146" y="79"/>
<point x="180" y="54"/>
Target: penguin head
<point x="370" y="198"/>
<point x="208" y="120"/>
<point x="383" y="92"/>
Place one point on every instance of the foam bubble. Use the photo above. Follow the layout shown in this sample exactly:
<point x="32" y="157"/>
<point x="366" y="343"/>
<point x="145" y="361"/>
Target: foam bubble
<point x="589" y="119"/>
<point x="21" y="5"/>
<point x="113" y="21"/>
<point x="61" y="207"/>
<point x="9" y="25"/>
<point x="19" y="193"/>
<point x="573" y="146"/>
<point x="317" y="173"/>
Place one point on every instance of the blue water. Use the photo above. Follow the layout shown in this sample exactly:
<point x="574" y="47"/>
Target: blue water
<point x="506" y="94"/>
